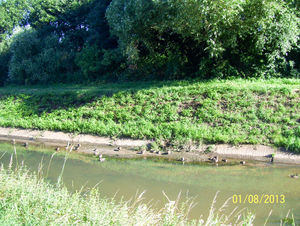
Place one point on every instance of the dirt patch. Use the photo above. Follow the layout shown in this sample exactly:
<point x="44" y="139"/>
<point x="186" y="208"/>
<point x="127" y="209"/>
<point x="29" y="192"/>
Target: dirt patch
<point x="129" y="147"/>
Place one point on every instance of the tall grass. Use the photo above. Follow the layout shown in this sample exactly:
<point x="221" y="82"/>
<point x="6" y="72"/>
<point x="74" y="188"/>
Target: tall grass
<point x="234" y="111"/>
<point x="28" y="199"/>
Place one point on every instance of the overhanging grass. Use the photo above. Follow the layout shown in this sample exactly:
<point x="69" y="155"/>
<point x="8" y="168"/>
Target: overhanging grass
<point x="232" y="111"/>
<point x="27" y="199"/>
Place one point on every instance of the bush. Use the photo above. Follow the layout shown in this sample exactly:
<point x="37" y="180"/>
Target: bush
<point x="38" y="60"/>
<point x="5" y="58"/>
<point x="100" y="64"/>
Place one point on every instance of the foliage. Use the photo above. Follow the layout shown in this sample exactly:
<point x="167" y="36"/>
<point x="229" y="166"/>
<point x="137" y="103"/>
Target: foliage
<point x="158" y="53"/>
<point x="292" y="140"/>
<point x="5" y="58"/>
<point x="130" y="40"/>
<point x="235" y="111"/>
<point x="64" y="18"/>
<point x="240" y="38"/>
<point x="100" y="58"/>
<point x="11" y="14"/>
<point x="100" y="65"/>
<point x="37" y="60"/>
<point x="99" y="33"/>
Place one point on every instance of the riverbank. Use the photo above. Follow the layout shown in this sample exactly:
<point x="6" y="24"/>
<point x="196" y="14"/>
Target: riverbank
<point x="198" y="116"/>
<point x="131" y="148"/>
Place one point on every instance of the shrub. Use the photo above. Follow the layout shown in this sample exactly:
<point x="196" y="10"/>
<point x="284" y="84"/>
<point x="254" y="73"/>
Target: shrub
<point x="38" y="60"/>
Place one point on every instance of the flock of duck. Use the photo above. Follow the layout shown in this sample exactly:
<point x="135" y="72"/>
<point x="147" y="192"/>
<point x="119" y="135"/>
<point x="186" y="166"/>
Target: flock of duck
<point x="216" y="160"/>
<point x="101" y="159"/>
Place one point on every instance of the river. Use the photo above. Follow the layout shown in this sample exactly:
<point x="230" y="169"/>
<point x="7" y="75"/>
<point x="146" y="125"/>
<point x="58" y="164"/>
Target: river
<point x="258" y="187"/>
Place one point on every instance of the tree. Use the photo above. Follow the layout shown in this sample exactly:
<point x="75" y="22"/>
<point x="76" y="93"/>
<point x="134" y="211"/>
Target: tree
<point x="100" y="58"/>
<point x="38" y="60"/>
<point x="12" y="13"/>
<point x="240" y="37"/>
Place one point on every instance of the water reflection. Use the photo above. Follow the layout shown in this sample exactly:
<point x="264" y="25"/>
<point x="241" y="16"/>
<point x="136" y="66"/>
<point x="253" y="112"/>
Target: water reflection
<point x="251" y="185"/>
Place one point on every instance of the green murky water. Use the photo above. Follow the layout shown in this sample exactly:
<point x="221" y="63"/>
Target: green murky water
<point x="260" y="187"/>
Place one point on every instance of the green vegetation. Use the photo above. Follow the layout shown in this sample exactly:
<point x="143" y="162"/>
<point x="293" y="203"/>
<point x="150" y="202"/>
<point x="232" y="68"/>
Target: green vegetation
<point x="174" y="114"/>
<point x="71" y="41"/>
<point x="28" y="199"/>
<point x="96" y="42"/>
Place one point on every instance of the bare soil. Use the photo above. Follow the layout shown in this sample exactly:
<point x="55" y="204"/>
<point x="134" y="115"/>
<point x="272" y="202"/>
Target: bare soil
<point x="131" y="148"/>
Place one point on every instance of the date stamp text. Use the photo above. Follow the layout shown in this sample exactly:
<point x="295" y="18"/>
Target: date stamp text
<point x="258" y="199"/>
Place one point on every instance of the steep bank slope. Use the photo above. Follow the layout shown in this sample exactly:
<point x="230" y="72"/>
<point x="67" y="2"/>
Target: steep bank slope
<point x="179" y="115"/>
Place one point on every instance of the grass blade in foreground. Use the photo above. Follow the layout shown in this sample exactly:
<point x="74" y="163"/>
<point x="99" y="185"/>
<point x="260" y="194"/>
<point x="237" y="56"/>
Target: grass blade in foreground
<point x="26" y="199"/>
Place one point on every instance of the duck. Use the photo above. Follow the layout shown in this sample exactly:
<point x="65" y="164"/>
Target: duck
<point x="78" y="147"/>
<point x="242" y="162"/>
<point x="26" y="144"/>
<point x="101" y="159"/>
<point x="142" y="152"/>
<point x="119" y="148"/>
<point x="294" y="176"/>
<point x="182" y="159"/>
<point x="57" y="149"/>
<point x="96" y="151"/>
<point x="224" y="160"/>
<point x="68" y="145"/>
<point x="214" y="159"/>
<point x="152" y="151"/>
<point x="158" y="152"/>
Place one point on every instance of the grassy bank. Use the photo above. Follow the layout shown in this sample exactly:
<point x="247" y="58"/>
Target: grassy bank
<point x="175" y="114"/>
<point x="28" y="199"/>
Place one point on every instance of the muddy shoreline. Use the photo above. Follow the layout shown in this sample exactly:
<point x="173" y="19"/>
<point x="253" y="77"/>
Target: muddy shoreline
<point x="129" y="147"/>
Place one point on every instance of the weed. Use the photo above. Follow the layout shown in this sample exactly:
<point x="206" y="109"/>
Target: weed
<point x="154" y="146"/>
<point x="209" y="149"/>
<point x="235" y="112"/>
<point x="143" y="147"/>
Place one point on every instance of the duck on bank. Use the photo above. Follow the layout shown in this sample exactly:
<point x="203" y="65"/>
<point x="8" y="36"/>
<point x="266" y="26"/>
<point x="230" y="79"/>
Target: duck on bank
<point x="294" y="176"/>
<point x="214" y="159"/>
<point x="260" y="155"/>
<point x="101" y="159"/>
